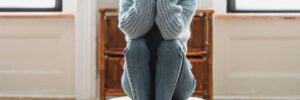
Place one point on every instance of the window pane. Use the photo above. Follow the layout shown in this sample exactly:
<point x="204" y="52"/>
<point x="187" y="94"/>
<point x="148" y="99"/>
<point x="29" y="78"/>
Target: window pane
<point x="267" y="5"/>
<point x="27" y="3"/>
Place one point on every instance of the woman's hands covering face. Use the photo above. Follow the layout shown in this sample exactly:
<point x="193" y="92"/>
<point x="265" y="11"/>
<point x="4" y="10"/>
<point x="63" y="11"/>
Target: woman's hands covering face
<point x="174" y="16"/>
<point x="136" y="17"/>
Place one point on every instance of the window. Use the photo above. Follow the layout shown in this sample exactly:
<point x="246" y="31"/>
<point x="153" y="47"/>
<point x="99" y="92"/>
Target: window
<point x="30" y="5"/>
<point x="263" y="5"/>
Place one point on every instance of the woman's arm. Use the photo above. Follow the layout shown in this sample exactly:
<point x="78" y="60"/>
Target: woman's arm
<point x="173" y="16"/>
<point x="136" y="17"/>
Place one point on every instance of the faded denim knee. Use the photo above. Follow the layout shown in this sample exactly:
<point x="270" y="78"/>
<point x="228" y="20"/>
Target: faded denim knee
<point x="171" y="48"/>
<point x="136" y="79"/>
<point x="137" y="47"/>
<point x="169" y="64"/>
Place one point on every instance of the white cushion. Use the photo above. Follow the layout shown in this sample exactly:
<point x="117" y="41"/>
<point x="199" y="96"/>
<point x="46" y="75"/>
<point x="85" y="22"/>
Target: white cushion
<point x="127" y="98"/>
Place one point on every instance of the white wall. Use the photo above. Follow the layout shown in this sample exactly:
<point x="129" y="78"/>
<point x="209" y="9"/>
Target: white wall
<point x="219" y="6"/>
<point x="37" y="57"/>
<point x="256" y="59"/>
<point x="205" y="4"/>
<point x="55" y="73"/>
<point x="69" y="6"/>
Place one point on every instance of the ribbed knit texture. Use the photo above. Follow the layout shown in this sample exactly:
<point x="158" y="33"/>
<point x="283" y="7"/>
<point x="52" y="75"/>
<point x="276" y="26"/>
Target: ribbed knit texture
<point x="136" y="17"/>
<point x="173" y="17"/>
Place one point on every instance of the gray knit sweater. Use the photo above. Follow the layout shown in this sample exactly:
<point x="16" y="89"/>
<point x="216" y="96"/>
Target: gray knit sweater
<point x="173" y="17"/>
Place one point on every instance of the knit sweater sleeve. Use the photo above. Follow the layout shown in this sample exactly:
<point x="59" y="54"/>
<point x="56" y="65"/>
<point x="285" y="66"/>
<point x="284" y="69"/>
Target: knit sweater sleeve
<point x="173" y="16"/>
<point x="136" y="17"/>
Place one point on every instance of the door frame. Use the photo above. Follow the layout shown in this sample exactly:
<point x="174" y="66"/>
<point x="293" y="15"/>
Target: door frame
<point x="85" y="50"/>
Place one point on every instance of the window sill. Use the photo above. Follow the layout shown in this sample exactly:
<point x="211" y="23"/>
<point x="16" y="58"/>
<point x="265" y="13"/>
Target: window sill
<point x="295" y="16"/>
<point x="35" y="15"/>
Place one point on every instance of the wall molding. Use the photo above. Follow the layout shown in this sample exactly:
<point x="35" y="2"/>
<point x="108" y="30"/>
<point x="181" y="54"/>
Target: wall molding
<point x="85" y="60"/>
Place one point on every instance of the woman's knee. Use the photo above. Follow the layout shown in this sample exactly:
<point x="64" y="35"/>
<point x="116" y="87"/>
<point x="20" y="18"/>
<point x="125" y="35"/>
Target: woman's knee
<point x="170" y="48"/>
<point x="136" y="46"/>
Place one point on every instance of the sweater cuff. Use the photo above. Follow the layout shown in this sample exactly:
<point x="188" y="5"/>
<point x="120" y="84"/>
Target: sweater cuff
<point x="173" y="17"/>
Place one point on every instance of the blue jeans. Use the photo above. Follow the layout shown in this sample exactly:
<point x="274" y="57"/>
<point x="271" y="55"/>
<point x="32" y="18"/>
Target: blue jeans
<point x="157" y="69"/>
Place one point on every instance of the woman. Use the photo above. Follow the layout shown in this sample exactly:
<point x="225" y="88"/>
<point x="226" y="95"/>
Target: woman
<point x="156" y="66"/>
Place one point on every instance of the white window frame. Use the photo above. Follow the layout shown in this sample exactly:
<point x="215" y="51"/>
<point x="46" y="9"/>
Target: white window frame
<point x="56" y="8"/>
<point x="232" y="7"/>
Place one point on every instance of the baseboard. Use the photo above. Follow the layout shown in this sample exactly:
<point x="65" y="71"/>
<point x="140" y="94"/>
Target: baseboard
<point x="256" y="98"/>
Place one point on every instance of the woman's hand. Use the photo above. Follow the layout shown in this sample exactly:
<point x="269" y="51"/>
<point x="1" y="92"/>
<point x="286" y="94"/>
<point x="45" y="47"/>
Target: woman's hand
<point x="136" y="17"/>
<point x="173" y="16"/>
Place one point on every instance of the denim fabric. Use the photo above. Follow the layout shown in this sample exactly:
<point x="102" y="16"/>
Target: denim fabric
<point x="157" y="69"/>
